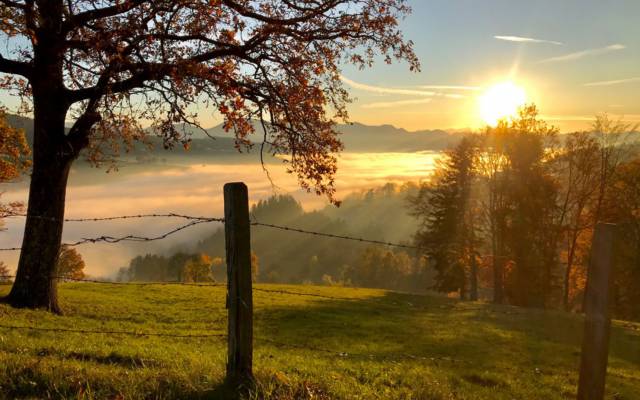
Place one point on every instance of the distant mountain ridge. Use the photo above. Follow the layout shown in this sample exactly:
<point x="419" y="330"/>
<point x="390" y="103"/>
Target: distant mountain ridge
<point x="361" y="138"/>
<point x="357" y="137"/>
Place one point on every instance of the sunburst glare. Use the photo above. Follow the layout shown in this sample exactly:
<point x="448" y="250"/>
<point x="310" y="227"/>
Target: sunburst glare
<point x="501" y="101"/>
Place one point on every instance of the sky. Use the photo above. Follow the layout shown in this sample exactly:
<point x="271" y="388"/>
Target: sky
<point x="573" y="58"/>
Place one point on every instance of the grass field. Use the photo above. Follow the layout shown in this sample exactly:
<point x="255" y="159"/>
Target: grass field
<point x="462" y="350"/>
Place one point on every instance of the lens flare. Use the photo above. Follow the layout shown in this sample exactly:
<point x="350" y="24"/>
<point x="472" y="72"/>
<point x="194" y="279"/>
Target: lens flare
<point x="501" y="101"/>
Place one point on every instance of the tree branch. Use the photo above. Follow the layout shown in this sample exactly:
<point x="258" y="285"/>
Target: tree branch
<point x="147" y="71"/>
<point x="245" y="12"/>
<point x="13" y="4"/>
<point x="9" y="66"/>
<point x="101" y="13"/>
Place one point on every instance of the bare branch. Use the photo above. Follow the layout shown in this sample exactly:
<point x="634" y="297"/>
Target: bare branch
<point x="9" y="66"/>
<point x="13" y="4"/>
<point x="245" y="12"/>
<point x="99" y="13"/>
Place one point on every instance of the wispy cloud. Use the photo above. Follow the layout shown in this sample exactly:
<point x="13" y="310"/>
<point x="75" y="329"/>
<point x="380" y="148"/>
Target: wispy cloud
<point x="421" y="91"/>
<point x="520" y="39"/>
<point x="450" y="87"/>
<point x="585" y="53"/>
<point x="615" y="82"/>
<point x="385" y="90"/>
<point x="391" y="104"/>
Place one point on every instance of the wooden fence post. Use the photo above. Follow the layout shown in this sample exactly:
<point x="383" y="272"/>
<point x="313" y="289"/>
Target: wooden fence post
<point x="597" y="302"/>
<point x="239" y="289"/>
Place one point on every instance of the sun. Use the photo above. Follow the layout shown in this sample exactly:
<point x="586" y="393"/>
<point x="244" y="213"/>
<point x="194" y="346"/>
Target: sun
<point x="501" y="101"/>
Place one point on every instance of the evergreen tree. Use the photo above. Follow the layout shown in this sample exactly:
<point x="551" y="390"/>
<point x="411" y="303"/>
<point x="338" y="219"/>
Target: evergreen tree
<point x="446" y="219"/>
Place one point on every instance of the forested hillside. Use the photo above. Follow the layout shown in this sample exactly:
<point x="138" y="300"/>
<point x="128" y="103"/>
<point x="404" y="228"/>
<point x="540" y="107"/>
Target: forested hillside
<point x="286" y="257"/>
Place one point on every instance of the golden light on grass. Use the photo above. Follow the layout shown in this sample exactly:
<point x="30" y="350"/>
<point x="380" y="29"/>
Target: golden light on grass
<point x="501" y="101"/>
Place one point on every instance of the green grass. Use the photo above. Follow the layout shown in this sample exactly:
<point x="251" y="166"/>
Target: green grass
<point x="470" y="350"/>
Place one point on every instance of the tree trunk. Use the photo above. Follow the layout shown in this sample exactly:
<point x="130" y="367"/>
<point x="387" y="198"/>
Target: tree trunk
<point x="498" y="285"/>
<point x="53" y="154"/>
<point x="35" y="286"/>
<point x="498" y="271"/>
<point x="463" y="287"/>
<point x="473" y="295"/>
<point x="567" y="275"/>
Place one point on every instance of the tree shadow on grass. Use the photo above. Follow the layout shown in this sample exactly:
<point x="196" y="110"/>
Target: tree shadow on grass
<point x="398" y="325"/>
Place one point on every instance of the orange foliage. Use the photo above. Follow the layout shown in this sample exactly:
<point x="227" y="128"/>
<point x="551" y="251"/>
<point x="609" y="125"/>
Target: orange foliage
<point x="14" y="159"/>
<point x="271" y="61"/>
<point x="70" y="264"/>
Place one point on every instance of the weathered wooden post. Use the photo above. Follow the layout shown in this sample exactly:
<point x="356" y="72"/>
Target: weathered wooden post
<point x="595" y="344"/>
<point x="239" y="290"/>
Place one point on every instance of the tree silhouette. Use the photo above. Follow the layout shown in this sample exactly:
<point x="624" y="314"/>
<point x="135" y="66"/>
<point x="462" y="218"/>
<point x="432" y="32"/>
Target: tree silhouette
<point x="447" y="221"/>
<point x="107" y="65"/>
<point x="70" y="264"/>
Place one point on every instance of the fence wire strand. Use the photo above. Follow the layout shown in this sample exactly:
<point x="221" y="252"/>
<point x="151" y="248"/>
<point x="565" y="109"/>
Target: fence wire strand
<point x="4" y="278"/>
<point x="115" y="218"/>
<point x="133" y="238"/>
<point x="194" y="220"/>
<point x="335" y="236"/>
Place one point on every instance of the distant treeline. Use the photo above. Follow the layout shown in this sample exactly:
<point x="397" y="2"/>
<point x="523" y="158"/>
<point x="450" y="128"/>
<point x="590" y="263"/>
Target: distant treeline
<point x="288" y="257"/>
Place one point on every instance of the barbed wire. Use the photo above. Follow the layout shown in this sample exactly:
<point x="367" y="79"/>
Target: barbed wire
<point x="195" y="220"/>
<point x="335" y="236"/>
<point x="115" y="332"/>
<point x="11" y="249"/>
<point x="120" y="217"/>
<point x="134" y="238"/>
<point x="130" y="238"/>
<point x="160" y="283"/>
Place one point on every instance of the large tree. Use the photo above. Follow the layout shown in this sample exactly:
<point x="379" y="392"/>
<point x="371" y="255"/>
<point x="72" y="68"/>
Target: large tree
<point x="532" y="197"/>
<point x="622" y="206"/>
<point x="447" y="216"/>
<point x="494" y="204"/>
<point x="106" y="65"/>
<point x="578" y="173"/>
